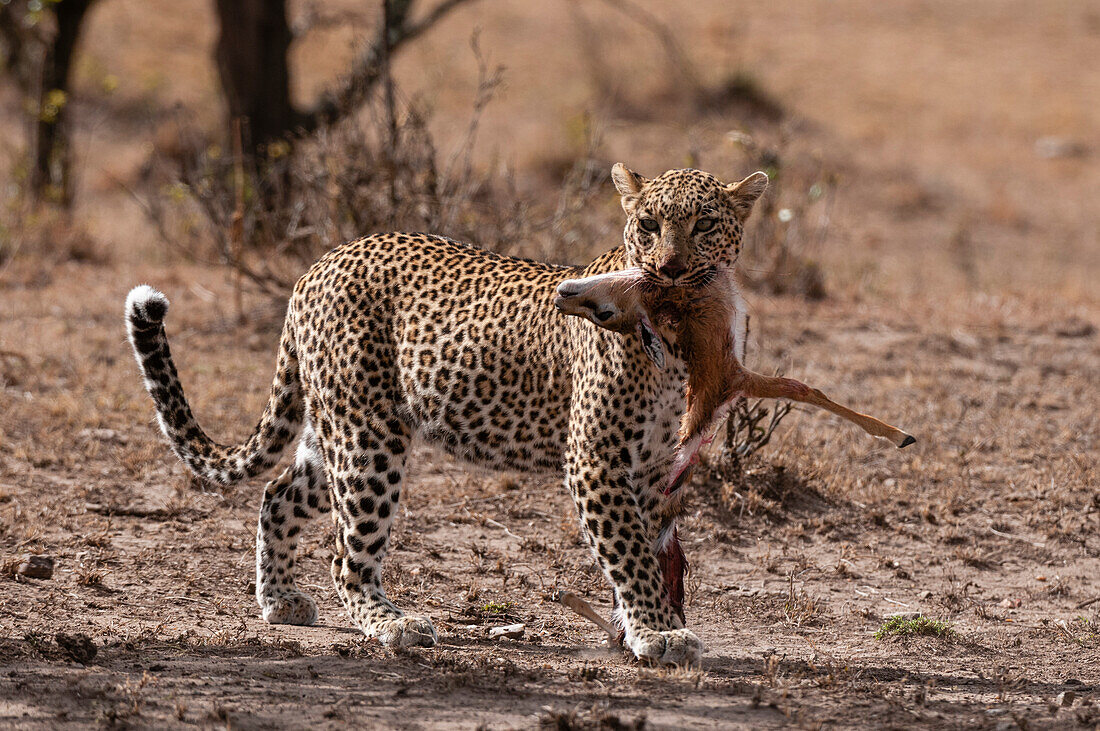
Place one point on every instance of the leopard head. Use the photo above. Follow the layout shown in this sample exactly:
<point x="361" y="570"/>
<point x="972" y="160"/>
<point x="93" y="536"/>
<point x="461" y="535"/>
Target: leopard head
<point x="683" y="225"/>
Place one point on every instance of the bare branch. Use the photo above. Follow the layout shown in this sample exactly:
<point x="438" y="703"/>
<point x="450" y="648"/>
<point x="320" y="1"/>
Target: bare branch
<point x="20" y="44"/>
<point x="665" y="36"/>
<point x="487" y="84"/>
<point x="745" y="435"/>
<point x="389" y="104"/>
<point x="367" y="69"/>
<point x="313" y="18"/>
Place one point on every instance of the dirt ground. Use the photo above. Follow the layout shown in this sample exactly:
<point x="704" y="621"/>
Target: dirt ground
<point x="960" y="262"/>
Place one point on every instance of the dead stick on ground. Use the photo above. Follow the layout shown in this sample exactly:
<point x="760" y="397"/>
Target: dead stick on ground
<point x="1084" y="604"/>
<point x="503" y="527"/>
<point x="583" y="608"/>
<point x="1002" y="534"/>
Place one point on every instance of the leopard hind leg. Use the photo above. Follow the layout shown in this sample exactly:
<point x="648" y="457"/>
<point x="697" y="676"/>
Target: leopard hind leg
<point x="291" y="500"/>
<point x="366" y="468"/>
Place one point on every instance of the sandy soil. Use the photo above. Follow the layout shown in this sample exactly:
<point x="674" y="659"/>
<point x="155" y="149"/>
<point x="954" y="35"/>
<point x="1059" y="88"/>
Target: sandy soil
<point x="960" y="263"/>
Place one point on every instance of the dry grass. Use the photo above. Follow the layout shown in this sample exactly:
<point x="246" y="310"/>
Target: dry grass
<point x="958" y="268"/>
<point x="895" y="627"/>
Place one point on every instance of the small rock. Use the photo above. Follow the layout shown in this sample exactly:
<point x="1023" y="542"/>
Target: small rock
<point x="104" y="435"/>
<point x="907" y="616"/>
<point x="925" y="595"/>
<point x="250" y="588"/>
<point x="79" y="648"/>
<point x="1066" y="698"/>
<point x="1075" y="328"/>
<point x="1053" y="148"/>
<point x="510" y="631"/>
<point x="36" y="567"/>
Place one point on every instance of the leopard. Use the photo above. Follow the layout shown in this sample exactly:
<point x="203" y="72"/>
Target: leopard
<point x="396" y="336"/>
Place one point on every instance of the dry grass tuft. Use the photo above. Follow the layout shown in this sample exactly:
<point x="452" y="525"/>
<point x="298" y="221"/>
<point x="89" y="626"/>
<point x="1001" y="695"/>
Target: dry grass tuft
<point x="271" y="217"/>
<point x="596" y="718"/>
<point x="799" y="609"/>
<point x="920" y="626"/>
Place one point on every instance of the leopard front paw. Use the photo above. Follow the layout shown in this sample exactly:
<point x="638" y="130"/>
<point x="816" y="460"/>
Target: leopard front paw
<point x="671" y="647"/>
<point x="406" y="632"/>
<point x="289" y="607"/>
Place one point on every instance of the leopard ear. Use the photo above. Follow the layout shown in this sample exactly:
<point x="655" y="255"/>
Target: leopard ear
<point x="629" y="184"/>
<point x="743" y="195"/>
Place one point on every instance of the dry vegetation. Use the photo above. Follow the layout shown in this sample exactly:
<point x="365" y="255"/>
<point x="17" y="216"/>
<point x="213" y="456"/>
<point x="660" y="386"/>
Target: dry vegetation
<point x="930" y="251"/>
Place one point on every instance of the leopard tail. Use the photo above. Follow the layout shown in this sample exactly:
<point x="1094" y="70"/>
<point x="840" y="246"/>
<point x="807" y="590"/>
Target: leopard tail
<point x="217" y="463"/>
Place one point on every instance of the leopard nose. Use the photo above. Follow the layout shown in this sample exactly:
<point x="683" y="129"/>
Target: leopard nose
<point x="672" y="269"/>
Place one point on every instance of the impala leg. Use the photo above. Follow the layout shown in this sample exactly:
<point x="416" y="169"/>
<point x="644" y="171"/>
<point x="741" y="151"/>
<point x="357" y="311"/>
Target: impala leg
<point x="758" y="386"/>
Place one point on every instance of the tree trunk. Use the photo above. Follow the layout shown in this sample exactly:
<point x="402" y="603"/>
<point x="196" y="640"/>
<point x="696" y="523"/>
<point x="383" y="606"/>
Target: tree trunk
<point x="252" y="64"/>
<point x="50" y="150"/>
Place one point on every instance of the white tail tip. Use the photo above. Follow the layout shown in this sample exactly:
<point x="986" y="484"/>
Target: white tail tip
<point x="145" y="304"/>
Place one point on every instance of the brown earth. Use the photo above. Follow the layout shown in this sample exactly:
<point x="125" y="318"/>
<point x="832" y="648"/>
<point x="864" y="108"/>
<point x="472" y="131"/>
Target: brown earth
<point x="960" y="261"/>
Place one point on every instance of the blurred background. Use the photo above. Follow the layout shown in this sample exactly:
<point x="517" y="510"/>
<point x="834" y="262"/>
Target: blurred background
<point x="928" y="252"/>
<point x="915" y="146"/>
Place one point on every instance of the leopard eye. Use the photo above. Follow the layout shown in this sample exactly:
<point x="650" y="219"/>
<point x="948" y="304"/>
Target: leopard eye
<point x="703" y="225"/>
<point x="649" y="224"/>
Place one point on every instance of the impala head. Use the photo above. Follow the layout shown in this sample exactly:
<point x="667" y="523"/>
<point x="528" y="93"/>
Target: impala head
<point x="684" y="224"/>
<point x="614" y="301"/>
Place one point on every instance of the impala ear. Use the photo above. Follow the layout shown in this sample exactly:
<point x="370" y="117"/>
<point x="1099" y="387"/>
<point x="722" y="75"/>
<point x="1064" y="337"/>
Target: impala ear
<point x="629" y="184"/>
<point x="652" y="344"/>
<point x="743" y="195"/>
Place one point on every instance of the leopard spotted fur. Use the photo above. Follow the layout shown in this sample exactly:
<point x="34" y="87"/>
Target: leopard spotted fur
<point x="400" y="334"/>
